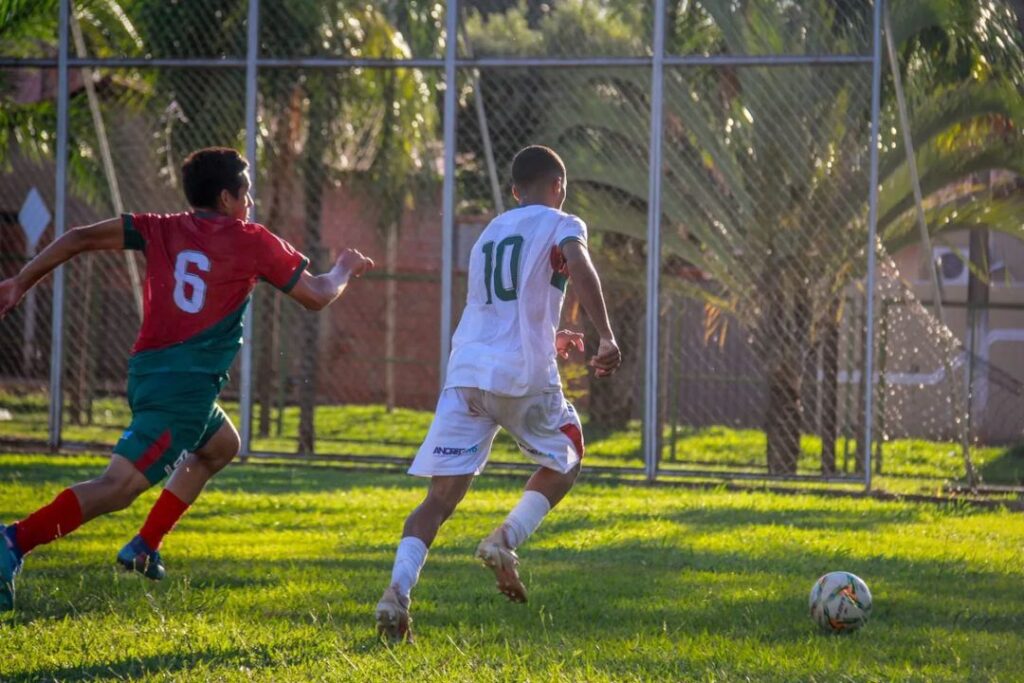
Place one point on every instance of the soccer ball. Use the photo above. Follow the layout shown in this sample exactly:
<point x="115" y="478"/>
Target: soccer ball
<point x="840" y="602"/>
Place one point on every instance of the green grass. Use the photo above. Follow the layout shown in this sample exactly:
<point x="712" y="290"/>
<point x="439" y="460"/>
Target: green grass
<point x="274" y="574"/>
<point x="909" y="466"/>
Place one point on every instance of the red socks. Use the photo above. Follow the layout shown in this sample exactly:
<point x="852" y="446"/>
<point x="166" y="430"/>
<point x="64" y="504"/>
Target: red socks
<point x="162" y="518"/>
<point x="57" y="519"/>
<point x="64" y="515"/>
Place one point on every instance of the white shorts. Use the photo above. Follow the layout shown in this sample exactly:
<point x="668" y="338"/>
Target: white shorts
<point x="545" y="427"/>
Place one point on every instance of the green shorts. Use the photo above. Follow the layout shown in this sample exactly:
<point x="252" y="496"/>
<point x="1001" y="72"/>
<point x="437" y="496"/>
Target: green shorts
<point x="173" y="414"/>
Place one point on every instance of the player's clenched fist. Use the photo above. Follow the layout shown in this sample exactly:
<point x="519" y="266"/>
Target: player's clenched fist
<point x="10" y="295"/>
<point x="608" y="358"/>
<point x="354" y="262"/>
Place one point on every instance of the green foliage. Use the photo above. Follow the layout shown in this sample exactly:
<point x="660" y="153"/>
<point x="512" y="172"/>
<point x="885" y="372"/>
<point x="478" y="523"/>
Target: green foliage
<point x="27" y="25"/>
<point x="505" y="34"/>
<point x="274" y="573"/>
<point x="29" y="128"/>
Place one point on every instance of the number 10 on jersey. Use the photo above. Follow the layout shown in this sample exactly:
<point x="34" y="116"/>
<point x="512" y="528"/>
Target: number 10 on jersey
<point x="507" y="252"/>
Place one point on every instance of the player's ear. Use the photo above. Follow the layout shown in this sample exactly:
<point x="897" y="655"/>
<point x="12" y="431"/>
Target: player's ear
<point x="557" y="186"/>
<point x="515" y="191"/>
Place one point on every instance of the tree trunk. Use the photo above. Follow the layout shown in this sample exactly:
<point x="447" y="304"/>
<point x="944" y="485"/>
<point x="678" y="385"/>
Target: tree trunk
<point x="313" y="189"/>
<point x="784" y="347"/>
<point x="612" y="398"/>
<point x="286" y="133"/>
<point x="266" y="314"/>
<point x="860" y="405"/>
<point x="390" y="313"/>
<point x="82" y="363"/>
<point x="830" y="390"/>
<point x="310" y="334"/>
<point x="977" y="325"/>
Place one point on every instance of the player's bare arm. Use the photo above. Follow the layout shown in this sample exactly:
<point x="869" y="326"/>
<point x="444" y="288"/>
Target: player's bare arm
<point x="585" y="280"/>
<point x="105" y="235"/>
<point x="315" y="292"/>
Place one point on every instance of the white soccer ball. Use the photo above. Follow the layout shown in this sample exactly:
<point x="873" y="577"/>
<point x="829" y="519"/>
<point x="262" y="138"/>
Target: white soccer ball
<point x="840" y="602"/>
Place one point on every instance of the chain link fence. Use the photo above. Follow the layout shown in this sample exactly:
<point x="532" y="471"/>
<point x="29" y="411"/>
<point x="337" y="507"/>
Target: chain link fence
<point x="757" y="198"/>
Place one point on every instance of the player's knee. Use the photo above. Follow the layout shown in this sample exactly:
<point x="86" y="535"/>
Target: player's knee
<point x="220" y="451"/>
<point x="227" y="449"/>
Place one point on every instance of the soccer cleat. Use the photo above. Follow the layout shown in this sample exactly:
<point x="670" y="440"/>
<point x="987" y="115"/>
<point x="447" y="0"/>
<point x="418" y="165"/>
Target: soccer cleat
<point x="10" y="565"/>
<point x="503" y="561"/>
<point x="393" y="620"/>
<point x="137" y="557"/>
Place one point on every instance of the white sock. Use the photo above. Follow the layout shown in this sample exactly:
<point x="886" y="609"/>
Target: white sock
<point x="409" y="560"/>
<point x="525" y="517"/>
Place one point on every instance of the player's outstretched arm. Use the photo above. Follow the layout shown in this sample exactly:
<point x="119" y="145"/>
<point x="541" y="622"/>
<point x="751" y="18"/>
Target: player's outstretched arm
<point x="588" y="288"/>
<point x="107" y="234"/>
<point x="315" y="292"/>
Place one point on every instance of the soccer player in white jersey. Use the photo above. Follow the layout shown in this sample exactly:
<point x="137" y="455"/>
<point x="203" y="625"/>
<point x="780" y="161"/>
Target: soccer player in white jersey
<point x="503" y="373"/>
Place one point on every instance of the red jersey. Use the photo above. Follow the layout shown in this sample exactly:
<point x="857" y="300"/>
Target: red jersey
<point x="201" y="269"/>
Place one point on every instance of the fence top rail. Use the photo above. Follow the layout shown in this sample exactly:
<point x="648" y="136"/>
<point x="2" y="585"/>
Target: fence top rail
<point x="435" y="63"/>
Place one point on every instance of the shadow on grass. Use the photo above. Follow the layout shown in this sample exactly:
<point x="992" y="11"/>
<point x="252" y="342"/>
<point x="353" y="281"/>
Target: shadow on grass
<point x="135" y="667"/>
<point x="1007" y="468"/>
<point x="255" y="478"/>
<point x="609" y="591"/>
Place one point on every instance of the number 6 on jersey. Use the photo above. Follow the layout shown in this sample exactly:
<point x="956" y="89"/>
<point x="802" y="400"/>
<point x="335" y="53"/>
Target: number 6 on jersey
<point x="192" y="299"/>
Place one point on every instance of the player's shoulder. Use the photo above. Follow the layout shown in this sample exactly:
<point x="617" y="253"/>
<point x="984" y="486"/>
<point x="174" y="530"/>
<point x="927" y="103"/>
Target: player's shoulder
<point x="255" y="229"/>
<point x="534" y="212"/>
<point x="572" y="218"/>
<point x="156" y="226"/>
<point x="156" y="217"/>
<point x="571" y="223"/>
<point x="561" y="217"/>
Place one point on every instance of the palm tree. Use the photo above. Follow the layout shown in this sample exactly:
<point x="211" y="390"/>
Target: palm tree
<point x="765" y="180"/>
<point x="26" y="130"/>
<point x="399" y="171"/>
<point x="321" y="128"/>
<point x="367" y="124"/>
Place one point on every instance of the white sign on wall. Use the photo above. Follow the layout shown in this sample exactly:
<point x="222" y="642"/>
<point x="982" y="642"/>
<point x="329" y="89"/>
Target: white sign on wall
<point x="34" y="217"/>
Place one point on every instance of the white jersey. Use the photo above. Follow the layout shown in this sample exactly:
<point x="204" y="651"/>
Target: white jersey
<point x="505" y="342"/>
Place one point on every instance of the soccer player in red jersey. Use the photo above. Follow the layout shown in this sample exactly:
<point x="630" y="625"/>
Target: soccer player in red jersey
<point x="201" y="268"/>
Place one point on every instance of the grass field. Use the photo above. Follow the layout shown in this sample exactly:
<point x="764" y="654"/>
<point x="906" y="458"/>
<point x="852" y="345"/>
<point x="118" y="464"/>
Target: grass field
<point x="909" y="465"/>
<point x="274" y="574"/>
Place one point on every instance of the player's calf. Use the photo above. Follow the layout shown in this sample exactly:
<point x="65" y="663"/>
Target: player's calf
<point x="115" y="489"/>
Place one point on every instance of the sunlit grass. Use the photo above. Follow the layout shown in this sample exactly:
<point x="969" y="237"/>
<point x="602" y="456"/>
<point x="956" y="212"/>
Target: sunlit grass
<point x="908" y="465"/>
<point x="275" y="571"/>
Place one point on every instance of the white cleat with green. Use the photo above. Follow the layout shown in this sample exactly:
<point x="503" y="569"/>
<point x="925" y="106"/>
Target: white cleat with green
<point x="393" y="620"/>
<point x="503" y="561"/>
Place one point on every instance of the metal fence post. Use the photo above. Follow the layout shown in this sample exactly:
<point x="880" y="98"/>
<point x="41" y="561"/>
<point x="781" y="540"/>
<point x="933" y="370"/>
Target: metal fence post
<point x="652" y="428"/>
<point x="869" y="347"/>
<point x="251" y="55"/>
<point x="60" y="217"/>
<point x="448" y="191"/>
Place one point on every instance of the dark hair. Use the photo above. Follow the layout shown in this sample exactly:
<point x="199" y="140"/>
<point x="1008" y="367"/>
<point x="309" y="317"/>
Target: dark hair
<point x="208" y="171"/>
<point x="534" y="163"/>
